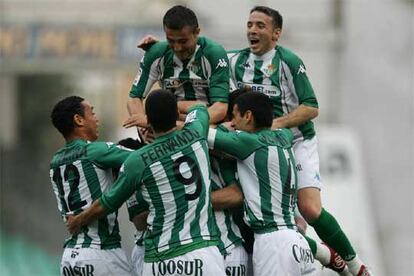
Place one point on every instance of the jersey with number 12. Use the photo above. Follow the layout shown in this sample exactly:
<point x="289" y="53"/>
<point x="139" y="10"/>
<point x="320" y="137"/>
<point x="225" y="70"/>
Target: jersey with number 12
<point x="80" y="172"/>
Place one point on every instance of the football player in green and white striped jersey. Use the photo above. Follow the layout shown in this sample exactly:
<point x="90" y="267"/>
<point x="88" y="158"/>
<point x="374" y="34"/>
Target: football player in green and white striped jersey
<point x="80" y="172"/>
<point x="173" y="176"/>
<point x="192" y="67"/>
<point x="267" y="175"/>
<point x="224" y="183"/>
<point x="277" y="72"/>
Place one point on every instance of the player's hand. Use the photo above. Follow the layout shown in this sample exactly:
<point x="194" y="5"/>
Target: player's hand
<point x="147" y="134"/>
<point x="229" y="126"/>
<point x="146" y="42"/>
<point x="73" y="224"/>
<point x="136" y="120"/>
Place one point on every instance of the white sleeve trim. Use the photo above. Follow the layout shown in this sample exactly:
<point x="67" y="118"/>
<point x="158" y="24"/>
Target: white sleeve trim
<point x="211" y="137"/>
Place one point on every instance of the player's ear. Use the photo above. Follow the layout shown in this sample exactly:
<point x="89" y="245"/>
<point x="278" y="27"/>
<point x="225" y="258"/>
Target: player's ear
<point x="196" y="31"/>
<point x="276" y="34"/>
<point x="78" y="120"/>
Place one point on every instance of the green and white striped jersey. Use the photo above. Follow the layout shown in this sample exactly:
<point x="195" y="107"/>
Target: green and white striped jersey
<point x="223" y="173"/>
<point x="173" y="176"/>
<point x="204" y="77"/>
<point x="267" y="175"/>
<point x="279" y="74"/>
<point x="136" y="205"/>
<point x="80" y="172"/>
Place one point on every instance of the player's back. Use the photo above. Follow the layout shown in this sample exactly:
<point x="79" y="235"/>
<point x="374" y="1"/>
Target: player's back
<point x="80" y="172"/>
<point x="176" y="185"/>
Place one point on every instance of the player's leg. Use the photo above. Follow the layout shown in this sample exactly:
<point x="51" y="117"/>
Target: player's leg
<point x="310" y="206"/>
<point x="282" y="252"/>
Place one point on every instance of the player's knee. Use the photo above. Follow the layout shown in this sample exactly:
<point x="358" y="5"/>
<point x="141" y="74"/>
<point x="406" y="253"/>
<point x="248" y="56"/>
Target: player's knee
<point x="309" y="210"/>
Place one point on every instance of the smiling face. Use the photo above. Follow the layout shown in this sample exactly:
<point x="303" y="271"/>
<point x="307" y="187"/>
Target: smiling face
<point x="261" y="34"/>
<point x="89" y="122"/>
<point x="183" y="41"/>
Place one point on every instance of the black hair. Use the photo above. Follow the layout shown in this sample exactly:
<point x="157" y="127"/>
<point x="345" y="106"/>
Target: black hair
<point x="161" y="110"/>
<point x="179" y="17"/>
<point x="131" y="143"/>
<point x="63" y="112"/>
<point x="277" y="18"/>
<point x="260" y="105"/>
<point x="232" y="98"/>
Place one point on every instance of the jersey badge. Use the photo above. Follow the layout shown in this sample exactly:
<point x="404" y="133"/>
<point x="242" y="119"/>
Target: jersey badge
<point x="193" y="66"/>
<point x="269" y="70"/>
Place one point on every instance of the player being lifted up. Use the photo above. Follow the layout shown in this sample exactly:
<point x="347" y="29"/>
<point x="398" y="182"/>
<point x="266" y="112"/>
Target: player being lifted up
<point x="192" y="67"/>
<point x="173" y="176"/>
<point x="80" y="172"/>
<point x="275" y="71"/>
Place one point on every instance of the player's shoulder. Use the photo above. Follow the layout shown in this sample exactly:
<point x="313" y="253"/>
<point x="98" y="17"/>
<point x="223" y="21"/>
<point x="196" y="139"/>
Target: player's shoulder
<point x="235" y="53"/>
<point x="157" y="50"/>
<point x="288" y="56"/>
<point x="210" y="47"/>
<point x="284" y="136"/>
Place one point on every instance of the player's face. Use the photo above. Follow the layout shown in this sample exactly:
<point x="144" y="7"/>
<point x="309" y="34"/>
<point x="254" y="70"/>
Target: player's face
<point x="238" y="121"/>
<point x="261" y="35"/>
<point x="90" y="121"/>
<point x="183" y="42"/>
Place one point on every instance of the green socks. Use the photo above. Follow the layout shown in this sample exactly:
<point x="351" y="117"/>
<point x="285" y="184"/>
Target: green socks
<point x="330" y="232"/>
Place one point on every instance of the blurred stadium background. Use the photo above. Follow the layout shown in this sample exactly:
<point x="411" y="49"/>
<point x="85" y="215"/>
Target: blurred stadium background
<point x="360" y="59"/>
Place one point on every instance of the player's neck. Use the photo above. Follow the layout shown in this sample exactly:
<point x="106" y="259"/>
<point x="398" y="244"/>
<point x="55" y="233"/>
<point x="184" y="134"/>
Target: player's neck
<point x="159" y="134"/>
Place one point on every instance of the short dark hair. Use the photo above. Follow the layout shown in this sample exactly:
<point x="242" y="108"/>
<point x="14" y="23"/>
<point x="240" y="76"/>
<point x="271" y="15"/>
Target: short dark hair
<point x="179" y="17"/>
<point x="131" y="143"/>
<point x="63" y="112"/>
<point x="260" y="105"/>
<point x="277" y="18"/>
<point x="161" y="110"/>
<point x="232" y="98"/>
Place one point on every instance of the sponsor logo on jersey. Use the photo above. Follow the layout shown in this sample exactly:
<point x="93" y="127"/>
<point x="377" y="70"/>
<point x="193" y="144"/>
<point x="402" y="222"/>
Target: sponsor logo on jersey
<point x="269" y="90"/>
<point x="86" y="270"/>
<point x="172" y="83"/>
<point x="221" y="63"/>
<point x="177" y="83"/>
<point x="302" y="255"/>
<point x="178" y="267"/>
<point x="301" y="69"/>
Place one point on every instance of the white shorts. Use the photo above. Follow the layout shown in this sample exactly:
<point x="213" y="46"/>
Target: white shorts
<point x="201" y="262"/>
<point x="137" y="259"/>
<point x="283" y="252"/>
<point x="236" y="262"/>
<point x="307" y="163"/>
<point x="89" y="261"/>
